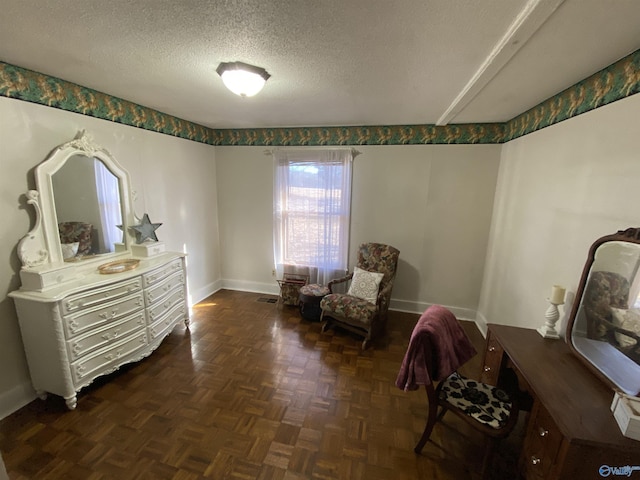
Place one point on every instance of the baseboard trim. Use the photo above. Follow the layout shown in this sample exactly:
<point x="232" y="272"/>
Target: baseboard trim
<point x="16" y="398"/>
<point x="482" y="323"/>
<point x="204" y="292"/>
<point x="418" y="307"/>
<point x="253" y="287"/>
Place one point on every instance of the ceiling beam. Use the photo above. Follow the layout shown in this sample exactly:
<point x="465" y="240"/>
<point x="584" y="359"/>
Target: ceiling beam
<point x="528" y="21"/>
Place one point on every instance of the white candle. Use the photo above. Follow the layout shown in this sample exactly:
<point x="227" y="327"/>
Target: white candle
<point x="557" y="295"/>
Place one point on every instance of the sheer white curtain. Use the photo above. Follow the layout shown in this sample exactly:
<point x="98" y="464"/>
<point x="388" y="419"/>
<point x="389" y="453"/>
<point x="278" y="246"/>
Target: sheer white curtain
<point x="109" y="206"/>
<point x="312" y="207"/>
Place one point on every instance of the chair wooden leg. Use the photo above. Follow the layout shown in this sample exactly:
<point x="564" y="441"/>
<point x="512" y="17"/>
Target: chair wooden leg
<point x="431" y="419"/>
<point x="488" y="456"/>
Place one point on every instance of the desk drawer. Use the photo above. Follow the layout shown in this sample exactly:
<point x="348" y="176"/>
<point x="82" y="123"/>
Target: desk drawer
<point x="97" y="296"/>
<point x="541" y="444"/>
<point x="492" y="361"/>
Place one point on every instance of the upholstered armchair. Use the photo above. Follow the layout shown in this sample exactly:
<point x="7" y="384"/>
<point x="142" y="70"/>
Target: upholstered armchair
<point x="609" y="318"/>
<point x="363" y="309"/>
<point x="77" y="232"/>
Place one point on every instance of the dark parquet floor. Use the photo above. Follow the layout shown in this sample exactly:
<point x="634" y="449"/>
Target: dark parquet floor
<point x="252" y="391"/>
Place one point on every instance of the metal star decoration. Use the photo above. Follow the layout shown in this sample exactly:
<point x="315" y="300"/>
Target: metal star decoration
<point x="146" y="229"/>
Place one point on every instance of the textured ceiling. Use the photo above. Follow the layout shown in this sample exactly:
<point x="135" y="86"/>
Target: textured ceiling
<point x="333" y="62"/>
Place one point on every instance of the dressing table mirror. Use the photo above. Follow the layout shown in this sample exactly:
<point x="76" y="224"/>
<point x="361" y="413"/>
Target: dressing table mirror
<point x="91" y="299"/>
<point x="83" y="211"/>
<point x="604" y="325"/>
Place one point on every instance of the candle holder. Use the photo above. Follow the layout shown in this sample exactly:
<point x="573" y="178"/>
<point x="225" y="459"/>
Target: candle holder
<point x="548" y="330"/>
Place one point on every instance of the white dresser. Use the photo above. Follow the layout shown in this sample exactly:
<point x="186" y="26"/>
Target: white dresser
<point x="75" y="332"/>
<point x="98" y="290"/>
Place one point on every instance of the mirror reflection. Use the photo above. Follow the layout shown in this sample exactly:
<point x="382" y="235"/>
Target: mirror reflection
<point x="88" y="208"/>
<point x="607" y="325"/>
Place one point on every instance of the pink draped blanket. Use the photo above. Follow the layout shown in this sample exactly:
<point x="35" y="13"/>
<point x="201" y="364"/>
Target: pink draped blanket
<point x="438" y="338"/>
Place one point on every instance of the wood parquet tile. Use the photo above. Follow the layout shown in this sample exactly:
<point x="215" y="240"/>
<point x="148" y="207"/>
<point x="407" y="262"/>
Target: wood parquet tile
<point x="252" y="391"/>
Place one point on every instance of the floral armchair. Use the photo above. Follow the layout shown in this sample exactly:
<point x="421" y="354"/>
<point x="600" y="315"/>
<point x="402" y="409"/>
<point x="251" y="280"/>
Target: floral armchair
<point x="80" y="232"/>
<point x="606" y="303"/>
<point x="374" y="275"/>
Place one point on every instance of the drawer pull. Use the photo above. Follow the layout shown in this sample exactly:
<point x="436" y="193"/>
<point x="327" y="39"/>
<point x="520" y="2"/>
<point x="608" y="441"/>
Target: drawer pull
<point x="73" y="326"/>
<point x="535" y="460"/>
<point x="543" y="432"/>
<point x="111" y="356"/>
<point x="492" y="348"/>
<point x="486" y="368"/>
<point x="105" y="315"/>
<point x="110" y="336"/>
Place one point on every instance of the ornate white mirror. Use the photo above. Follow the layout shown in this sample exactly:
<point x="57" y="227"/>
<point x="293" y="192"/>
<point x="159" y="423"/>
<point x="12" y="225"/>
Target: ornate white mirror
<point x="604" y="325"/>
<point x="83" y="207"/>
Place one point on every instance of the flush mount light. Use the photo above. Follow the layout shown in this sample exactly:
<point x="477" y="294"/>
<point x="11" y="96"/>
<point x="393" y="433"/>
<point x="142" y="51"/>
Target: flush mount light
<point x="242" y="79"/>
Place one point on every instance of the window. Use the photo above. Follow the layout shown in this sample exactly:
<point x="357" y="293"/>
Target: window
<point x="312" y="203"/>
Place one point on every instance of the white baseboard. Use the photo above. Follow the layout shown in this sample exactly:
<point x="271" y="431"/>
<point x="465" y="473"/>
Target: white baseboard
<point x="418" y="307"/>
<point x="202" y="293"/>
<point x="16" y="398"/>
<point x="482" y="323"/>
<point x="253" y="287"/>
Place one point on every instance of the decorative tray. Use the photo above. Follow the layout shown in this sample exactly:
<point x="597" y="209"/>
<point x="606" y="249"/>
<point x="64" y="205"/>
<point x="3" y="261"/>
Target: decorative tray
<point x="118" y="266"/>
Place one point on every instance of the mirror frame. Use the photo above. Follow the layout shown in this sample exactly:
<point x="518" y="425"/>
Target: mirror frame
<point x="630" y="235"/>
<point x="41" y="245"/>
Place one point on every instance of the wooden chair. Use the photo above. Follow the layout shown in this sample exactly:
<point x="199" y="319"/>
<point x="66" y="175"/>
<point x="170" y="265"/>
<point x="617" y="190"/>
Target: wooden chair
<point x="438" y="347"/>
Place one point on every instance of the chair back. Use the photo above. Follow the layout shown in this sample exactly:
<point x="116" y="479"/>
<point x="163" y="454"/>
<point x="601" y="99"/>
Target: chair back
<point x="604" y="290"/>
<point x="378" y="257"/>
<point x="80" y="232"/>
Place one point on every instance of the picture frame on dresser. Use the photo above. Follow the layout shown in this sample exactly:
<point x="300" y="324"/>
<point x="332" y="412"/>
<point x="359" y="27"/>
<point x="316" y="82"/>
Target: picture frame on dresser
<point x="79" y="321"/>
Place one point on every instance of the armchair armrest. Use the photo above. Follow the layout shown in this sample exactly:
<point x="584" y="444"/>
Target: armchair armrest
<point x="383" y="294"/>
<point x="339" y="280"/>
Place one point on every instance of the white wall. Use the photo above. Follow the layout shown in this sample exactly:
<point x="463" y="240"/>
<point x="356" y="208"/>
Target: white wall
<point x="175" y="181"/>
<point x="432" y="202"/>
<point x="559" y="189"/>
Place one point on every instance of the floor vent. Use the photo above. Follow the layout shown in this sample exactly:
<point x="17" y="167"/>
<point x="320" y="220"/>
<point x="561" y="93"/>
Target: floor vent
<point x="267" y="300"/>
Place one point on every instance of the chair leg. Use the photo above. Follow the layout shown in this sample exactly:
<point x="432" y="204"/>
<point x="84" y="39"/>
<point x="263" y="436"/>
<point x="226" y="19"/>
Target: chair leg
<point x="431" y="420"/>
<point x="488" y="456"/>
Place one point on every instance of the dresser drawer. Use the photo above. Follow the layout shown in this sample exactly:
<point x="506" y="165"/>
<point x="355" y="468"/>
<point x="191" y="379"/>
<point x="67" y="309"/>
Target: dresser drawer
<point x="493" y="356"/>
<point x="161" y="273"/>
<point x="541" y="444"/>
<point x="88" y="319"/>
<point x="160" y="328"/>
<point x="110" y="333"/>
<point x="96" y="296"/>
<point x="162" y="305"/>
<point x="104" y="360"/>
<point x="160" y="290"/>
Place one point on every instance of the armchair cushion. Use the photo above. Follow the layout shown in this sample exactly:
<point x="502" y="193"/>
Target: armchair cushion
<point x="627" y="320"/>
<point x="365" y="285"/>
<point x="349" y="307"/>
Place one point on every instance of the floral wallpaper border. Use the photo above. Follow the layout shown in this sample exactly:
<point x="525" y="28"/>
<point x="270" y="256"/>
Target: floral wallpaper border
<point x="614" y="82"/>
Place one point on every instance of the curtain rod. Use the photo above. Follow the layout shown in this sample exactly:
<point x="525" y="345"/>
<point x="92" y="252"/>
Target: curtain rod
<point x="354" y="152"/>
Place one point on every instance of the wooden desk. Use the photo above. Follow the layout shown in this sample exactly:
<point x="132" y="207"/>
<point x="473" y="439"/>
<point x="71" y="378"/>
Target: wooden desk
<point x="571" y="431"/>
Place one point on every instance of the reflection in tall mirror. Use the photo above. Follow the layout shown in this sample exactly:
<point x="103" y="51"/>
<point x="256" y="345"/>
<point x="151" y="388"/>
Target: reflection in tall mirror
<point x="605" y="325"/>
<point x="88" y="209"/>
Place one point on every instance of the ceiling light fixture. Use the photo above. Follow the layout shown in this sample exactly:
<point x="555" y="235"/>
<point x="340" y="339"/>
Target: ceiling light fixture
<point x="242" y="79"/>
